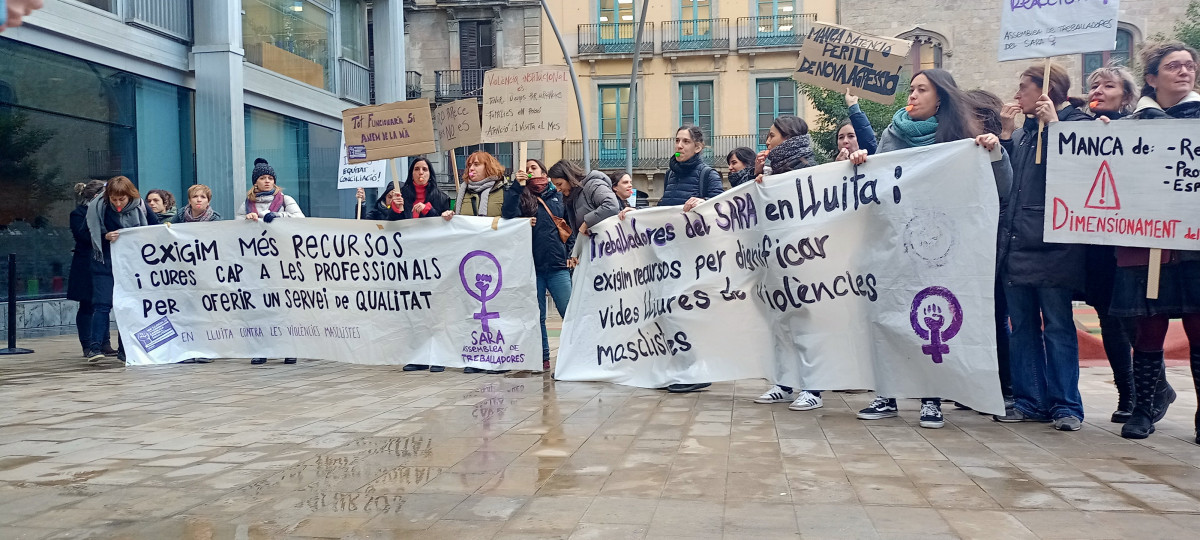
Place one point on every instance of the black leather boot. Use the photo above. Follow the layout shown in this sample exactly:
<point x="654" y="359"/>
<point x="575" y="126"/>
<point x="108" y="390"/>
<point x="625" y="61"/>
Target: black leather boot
<point x="1150" y="399"/>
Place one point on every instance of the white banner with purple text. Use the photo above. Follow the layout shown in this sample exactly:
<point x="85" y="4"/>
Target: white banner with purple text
<point x="826" y="278"/>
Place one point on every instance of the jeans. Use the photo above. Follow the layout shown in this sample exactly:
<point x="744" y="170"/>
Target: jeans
<point x="1045" y="363"/>
<point x="100" y="330"/>
<point x="1003" y="365"/>
<point x="558" y="282"/>
<point x="83" y="324"/>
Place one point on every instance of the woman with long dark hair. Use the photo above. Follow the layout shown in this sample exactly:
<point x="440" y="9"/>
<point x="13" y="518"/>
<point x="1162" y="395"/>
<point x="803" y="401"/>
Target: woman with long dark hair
<point x="937" y="112"/>
<point x="1169" y="93"/>
<point x="539" y="200"/>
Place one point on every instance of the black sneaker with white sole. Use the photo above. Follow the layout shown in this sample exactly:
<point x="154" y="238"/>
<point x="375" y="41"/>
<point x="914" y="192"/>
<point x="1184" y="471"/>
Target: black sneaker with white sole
<point x="931" y="415"/>
<point x="880" y="408"/>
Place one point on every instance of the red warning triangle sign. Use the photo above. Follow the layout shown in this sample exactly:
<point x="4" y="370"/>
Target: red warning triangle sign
<point x="1103" y="195"/>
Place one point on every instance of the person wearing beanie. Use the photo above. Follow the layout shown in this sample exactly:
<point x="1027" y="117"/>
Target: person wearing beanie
<point x="266" y="201"/>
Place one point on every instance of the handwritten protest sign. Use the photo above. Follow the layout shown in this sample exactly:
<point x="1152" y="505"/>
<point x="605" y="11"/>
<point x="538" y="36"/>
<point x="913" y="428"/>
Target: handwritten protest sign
<point x="525" y="104"/>
<point x="454" y="293"/>
<point x="1133" y="184"/>
<point x="824" y="278"/>
<point x="368" y="174"/>
<point x="1042" y="28"/>
<point x="392" y="130"/>
<point x="457" y="124"/>
<point x="835" y="57"/>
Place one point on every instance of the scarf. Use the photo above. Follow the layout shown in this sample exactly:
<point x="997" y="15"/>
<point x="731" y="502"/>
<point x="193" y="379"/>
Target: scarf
<point x="737" y="178"/>
<point x="914" y="132"/>
<point x="133" y="215"/>
<point x="483" y="188"/>
<point x="274" y="198"/>
<point x="166" y="215"/>
<point x="537" y="185"/>
<point x="206" y="215"/>
<point x="420" y="191"/>
<point x="791" y="154"/>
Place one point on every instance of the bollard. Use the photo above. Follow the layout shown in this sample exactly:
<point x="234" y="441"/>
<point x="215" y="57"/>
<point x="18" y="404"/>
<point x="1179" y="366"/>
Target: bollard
<point x="12" y="309"/>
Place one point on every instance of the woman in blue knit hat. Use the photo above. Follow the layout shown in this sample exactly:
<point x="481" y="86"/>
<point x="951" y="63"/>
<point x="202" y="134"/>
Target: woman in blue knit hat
<point x="266" y="201"/>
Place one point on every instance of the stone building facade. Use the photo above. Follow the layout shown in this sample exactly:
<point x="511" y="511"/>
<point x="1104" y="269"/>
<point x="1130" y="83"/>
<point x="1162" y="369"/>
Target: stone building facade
<point x="968" y="35"/>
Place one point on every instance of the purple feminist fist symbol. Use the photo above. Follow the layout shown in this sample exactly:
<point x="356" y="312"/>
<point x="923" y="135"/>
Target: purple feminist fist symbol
<point x="483" y="282"/>
<point x="935" y="328"/>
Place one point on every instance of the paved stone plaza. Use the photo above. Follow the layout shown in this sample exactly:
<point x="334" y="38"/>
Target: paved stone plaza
<point x="329" y="450"/>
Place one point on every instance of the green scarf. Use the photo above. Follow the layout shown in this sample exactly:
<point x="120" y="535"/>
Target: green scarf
<point x="915" y="132"/>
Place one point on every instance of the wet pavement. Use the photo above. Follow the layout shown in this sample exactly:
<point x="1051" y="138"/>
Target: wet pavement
<point x="329" y="450"/>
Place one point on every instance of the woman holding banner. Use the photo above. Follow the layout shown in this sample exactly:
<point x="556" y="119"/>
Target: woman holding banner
<point x="589" y="199"/>
<point x="1169" y="92"/>
<point x="266" y="201"/>
<point x="537" y="199"/>
<point x="1112" y="94"/>
<point x="937" y="112"/>
<point x="117" y="207"/>
<point x="622" y="185"/>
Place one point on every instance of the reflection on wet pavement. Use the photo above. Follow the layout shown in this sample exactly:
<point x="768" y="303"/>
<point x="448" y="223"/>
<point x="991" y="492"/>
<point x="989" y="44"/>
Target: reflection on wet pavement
<point x="326" y="450"/>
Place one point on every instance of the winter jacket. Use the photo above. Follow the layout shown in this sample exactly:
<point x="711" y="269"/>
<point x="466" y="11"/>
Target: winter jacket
<point x="1149" y="109"/>
<point x="549" y="251"/>
<point x="434" y="196"/>
<point x="102" y="270"/>
<point x="683" y="181"/>
<point x="1025" y="259"/>
<point x="594" y="201"/>
<point x="79" y="285"/>
<point x="863" y="130"/>
<point x="469" y="205"/>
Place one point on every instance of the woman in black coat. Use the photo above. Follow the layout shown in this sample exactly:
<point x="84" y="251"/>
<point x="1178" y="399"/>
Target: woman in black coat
<point x="79" y="285"/>
<point x="538" y="199"/>
<point x="419" y="197"/>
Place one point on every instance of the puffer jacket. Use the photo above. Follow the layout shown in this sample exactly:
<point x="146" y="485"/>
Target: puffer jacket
<point x="594" y="202"/>
<point x="683" y="181"/>
<point x="1025" y="258"/>
<point x="549" y="251"/>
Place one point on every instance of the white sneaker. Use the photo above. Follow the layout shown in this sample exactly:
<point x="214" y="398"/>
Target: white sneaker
<point x="774" y="395"/>
<point x="806" y="401"/>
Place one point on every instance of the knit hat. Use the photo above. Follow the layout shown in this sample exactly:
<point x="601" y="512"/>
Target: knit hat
<point x="261" y="167"/>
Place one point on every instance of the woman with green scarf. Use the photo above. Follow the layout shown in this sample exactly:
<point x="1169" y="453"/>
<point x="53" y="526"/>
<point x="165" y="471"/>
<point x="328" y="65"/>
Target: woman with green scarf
<point x="937" y="112"/>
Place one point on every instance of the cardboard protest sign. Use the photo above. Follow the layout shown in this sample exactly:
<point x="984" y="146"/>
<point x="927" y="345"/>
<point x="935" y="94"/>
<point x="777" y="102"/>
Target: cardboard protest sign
<point x="391" y="130"/>
<point x="525" y="104"/>
<point x="457" y="124"/>
<point x="835" y="57"/>
<point x="369" y="174"/>
<point x="826" y="278"/>
<point x="454" y="293"/>
<point x="1041" y="28"/>
<point x="1129" y="183"/>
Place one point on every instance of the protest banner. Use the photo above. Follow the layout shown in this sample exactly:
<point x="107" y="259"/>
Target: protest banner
<point x="369" y="174"/>
<point x="835" y="57"/>
<point x="391" y="130"/>
<point x="429" y="291"/>
<point x="826" y="278"/>
<point x="1133" y="184"/>
<point x="525" y="104"/>
<point x="1040" y="28"/>
<point x="457" y="124"/>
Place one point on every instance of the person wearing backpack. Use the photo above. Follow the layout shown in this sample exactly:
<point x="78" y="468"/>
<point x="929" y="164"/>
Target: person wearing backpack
<point x="689" y="179"/>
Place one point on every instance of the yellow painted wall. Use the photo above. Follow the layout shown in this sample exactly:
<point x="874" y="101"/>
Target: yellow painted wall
<point x="733" y="75"/>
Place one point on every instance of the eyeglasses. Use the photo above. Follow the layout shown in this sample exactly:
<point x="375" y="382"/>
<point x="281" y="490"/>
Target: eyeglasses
<point x="1177" y="66"/>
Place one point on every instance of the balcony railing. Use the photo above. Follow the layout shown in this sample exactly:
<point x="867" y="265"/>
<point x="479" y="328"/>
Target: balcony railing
<point x="355" y="83"/>
<point x="652" y="154"/>
<point x="173" y="18"/>
<point x="776" y="31"/>
<point x="695" y="35"/>
<point x="412" y="85"/>
<point x="614" y="38"/>
<point x="458" y="84"/>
